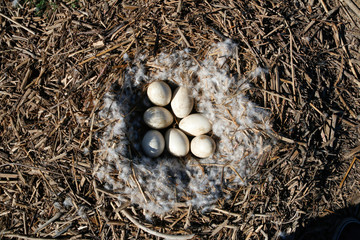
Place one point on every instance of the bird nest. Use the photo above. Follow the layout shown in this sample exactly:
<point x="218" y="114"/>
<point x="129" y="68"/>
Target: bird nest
<point x="240" y="128"/>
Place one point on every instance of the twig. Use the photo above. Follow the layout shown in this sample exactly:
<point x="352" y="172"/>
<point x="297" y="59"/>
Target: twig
<point x="138" y="184"/>
<point x="179" y="7"/>
<point x="219" y="228"/>
<point x="181" y="217"/>
<point x="16" y="23"/>
<point x="353" y="7"/>
<point x="184" y="38"/>
<point x="276" y="94"/>
<point x="9" y="175"/>
<point x="187" y="221"/>
<point x="340" y="42"/>
<point x="157" y="234"/>
<point x="64" y="230"/>
<point x="316" y="109"/>
<point x="347" y="172"/>
<point x="41" y="227"/>
<point x="285" y="139"/>
<point x="108" y="50"/>
<point x="26" y="52"/>
<point x="8" y="181"/>
<point x="27" y="238"/>
<point x="227" y="212"/>
<point x="344" y="103"/>
<point x="353" y="152"/>
<point x="292" y="61"/>
<point x="324" y="6"/>
<point x="232" y="168"/>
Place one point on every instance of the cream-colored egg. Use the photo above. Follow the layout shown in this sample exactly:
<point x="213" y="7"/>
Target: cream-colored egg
<point x="203" y="146"/>
<point x="182" y="103"/>
<point x="158" y="117"/>
<point x="176" y="142"/>
<point x="159" y="93"/>
<point x="153" y="143"/>
<point x="195" y="124"/>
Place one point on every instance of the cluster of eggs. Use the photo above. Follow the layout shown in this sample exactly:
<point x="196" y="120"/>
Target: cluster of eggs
<point x="176" y="140"/>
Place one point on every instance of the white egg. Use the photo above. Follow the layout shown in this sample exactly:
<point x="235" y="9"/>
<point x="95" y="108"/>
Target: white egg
<point x="203" y="146"/>
<point x="177" y="142"/>
<point x="159" y="93"/>
<point x="153" y="143"/>
<point x="195" y="124"/>
<point x="158" y="117"/>
<point x="182" y="103"/>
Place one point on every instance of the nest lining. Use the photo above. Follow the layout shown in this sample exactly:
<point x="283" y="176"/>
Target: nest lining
<point x="239" y="127"/>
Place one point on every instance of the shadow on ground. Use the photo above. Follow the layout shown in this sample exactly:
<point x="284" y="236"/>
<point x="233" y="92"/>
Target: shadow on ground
<point x="325" y="227"/>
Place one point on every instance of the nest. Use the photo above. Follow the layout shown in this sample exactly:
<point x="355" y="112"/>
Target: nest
<point x="64" y="61"/>
<point x="240" y="128"/>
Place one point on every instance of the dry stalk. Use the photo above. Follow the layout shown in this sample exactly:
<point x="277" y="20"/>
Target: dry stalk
<point x="152" y="232"/>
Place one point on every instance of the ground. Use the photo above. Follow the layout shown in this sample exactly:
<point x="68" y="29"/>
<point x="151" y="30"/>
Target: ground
<point x="59" y="58"/>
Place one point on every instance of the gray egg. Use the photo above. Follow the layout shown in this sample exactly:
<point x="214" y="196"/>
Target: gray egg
<point x="153" y="143"/>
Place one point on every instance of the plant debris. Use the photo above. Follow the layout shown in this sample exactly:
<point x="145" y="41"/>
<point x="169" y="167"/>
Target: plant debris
<point x="156" y="185"/>
<point x="60" y="59"/>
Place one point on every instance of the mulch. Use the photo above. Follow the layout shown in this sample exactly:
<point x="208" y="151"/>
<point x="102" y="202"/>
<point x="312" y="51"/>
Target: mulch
<point x="59" y="58"/>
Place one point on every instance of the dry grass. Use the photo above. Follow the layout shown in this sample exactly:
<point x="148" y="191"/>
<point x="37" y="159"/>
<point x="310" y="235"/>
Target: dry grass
<point x="57" y="64"/>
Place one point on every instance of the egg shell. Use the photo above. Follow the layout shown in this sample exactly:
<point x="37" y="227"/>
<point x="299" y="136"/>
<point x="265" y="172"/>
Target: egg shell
<point x="159" y="93"/>
<point x="153" y="143"/>
<point x="182" y="103"/>
<point x="195" y="124"/>
<point x="177" y="142"/>
<point x="203" y="146"/>
<point x="158" y="117"/>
